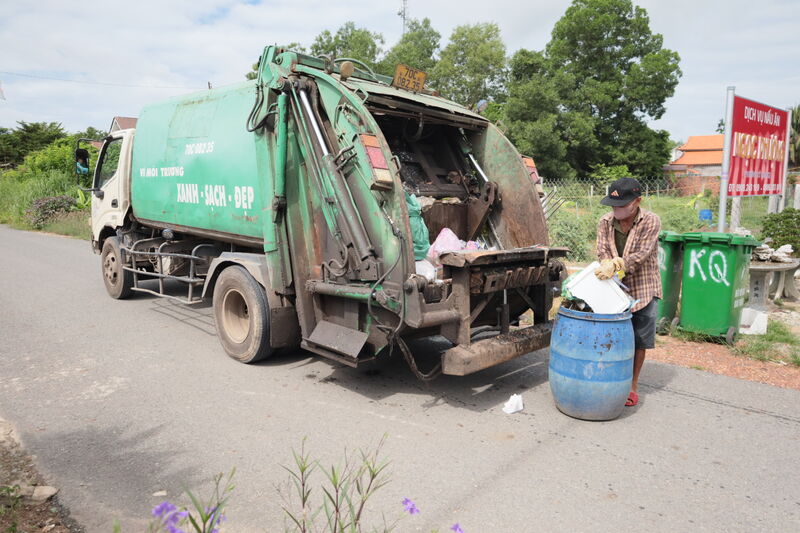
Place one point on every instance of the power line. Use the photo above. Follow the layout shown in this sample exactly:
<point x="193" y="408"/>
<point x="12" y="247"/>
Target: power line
<point x="111" y="84"/>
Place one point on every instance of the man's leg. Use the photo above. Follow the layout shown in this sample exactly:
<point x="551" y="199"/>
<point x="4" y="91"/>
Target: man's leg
<point x="638" y="361"/>
<point x="644" y="334"/>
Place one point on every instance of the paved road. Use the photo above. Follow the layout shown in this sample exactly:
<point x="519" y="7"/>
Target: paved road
<point x="121" y="399"/>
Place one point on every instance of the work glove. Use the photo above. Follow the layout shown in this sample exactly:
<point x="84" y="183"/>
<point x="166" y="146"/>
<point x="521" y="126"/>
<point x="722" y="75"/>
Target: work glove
<point x="609" y="267"/>
<point x="605" y="270"/>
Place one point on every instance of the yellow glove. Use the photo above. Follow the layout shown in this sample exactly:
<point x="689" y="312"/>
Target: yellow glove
<point x="605" y="270"/>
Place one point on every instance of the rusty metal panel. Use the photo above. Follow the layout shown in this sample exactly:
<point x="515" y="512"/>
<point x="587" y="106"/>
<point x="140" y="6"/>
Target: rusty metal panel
<point x="284" y="328"/>
<point x="489" y="257"/>
<point x="461" y="360"/>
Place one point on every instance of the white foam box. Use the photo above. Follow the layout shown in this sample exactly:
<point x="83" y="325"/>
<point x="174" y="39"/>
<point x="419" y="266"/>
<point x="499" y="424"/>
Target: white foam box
<point x="604" y="296"/>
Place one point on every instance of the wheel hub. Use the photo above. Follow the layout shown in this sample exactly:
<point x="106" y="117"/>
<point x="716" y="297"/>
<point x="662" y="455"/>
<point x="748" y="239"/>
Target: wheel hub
<point x="110" y="269"/>
<point x="235" y="316"/>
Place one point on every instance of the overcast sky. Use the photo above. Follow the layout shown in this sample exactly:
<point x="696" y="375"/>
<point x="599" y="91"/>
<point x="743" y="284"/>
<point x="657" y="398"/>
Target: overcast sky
<point x="170" y="47"/>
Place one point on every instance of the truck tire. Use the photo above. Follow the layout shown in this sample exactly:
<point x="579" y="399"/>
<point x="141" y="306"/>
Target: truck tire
<point x="241" y="313"/>
<point x="117" y="280"/>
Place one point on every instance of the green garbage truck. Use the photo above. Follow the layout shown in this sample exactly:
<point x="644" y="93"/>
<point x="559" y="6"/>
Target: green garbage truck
<point x="284" y="200"/>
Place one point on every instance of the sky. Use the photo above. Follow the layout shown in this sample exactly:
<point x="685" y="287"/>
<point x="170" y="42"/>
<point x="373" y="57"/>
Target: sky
<point x="135" y="53"/>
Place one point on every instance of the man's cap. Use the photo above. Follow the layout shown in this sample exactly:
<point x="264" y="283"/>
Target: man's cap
<point x="622" y="192"/>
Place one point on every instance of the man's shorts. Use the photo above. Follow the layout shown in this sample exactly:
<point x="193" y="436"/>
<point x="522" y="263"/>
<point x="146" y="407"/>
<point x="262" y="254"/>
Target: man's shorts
<point x="644" y="326"/>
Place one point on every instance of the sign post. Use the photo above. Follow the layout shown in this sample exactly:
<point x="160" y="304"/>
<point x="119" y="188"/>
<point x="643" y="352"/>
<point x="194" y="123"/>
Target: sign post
<point x="785" y="191"/>
<point x="726" y="161"/>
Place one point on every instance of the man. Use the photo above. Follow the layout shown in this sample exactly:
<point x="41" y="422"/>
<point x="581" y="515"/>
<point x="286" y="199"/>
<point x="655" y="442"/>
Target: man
<point x="627" y="244"/>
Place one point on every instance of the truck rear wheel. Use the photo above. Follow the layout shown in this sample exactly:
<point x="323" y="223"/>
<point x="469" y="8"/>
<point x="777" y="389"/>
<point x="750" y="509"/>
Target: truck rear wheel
<point x="117" y="280"/>
<point x="242" y="315"/>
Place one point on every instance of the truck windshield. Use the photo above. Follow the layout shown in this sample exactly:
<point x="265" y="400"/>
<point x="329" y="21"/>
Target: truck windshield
<point x="107" y="166"/>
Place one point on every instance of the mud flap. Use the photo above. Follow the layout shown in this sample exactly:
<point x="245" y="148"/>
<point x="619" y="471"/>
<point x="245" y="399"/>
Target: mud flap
<point x="338" y="339"/>
<point x="462" y="360"/>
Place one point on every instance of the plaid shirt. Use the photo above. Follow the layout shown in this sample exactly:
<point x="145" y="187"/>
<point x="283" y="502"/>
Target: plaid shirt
<point x="641" y="254"/>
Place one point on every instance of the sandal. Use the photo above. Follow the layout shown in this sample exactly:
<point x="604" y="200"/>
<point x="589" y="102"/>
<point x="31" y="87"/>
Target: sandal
<point x="633" y="399"/>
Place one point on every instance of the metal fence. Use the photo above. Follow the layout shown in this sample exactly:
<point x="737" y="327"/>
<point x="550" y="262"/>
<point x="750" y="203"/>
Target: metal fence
<point x="574" y="222"/>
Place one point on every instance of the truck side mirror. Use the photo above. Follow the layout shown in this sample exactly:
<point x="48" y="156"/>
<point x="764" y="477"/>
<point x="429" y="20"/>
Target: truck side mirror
<point x="81" y="161"/>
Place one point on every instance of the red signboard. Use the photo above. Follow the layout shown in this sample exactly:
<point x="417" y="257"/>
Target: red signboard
<point x="758" y="145"/>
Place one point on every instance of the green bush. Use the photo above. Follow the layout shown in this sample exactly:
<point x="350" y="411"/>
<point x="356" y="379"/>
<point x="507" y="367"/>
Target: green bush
<point x="17" y="195"/>
<point x="43" y="210"/>
<point x="783" y="228"/>
<point x="576" y="233"/>
<point x="680" y="218"/>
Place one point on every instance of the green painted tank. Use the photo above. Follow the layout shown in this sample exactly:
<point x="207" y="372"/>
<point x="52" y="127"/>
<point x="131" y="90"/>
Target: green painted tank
<point x="196" y="166"/>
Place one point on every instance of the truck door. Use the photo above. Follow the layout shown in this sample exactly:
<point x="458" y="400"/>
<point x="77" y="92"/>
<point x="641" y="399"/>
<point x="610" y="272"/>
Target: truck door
<point x="107" y="185"/>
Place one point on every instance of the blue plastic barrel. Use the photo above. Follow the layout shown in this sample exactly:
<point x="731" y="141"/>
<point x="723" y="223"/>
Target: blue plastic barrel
<point x="591" y="363"/>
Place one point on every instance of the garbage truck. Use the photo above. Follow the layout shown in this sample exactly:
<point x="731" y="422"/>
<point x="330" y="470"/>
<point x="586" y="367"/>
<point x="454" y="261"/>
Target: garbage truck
<point x="285" y="199"/>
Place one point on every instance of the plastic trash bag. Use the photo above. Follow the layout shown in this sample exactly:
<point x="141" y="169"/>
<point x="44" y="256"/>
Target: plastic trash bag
<point x="419" y="231"/>
<point x="513" y="405"/>
<point x="446" y="241"/>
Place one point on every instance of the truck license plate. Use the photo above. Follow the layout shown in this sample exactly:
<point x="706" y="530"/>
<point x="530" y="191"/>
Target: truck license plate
<point x="409" y="78"/>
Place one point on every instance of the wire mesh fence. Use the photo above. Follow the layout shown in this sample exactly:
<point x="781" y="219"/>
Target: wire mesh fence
<point x="682" y="205"/>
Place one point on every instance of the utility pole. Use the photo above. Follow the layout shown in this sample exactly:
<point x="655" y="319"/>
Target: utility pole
<point x="403" y="13"/>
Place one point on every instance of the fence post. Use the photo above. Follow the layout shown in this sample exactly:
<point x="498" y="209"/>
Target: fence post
<point x="591" y="191"/>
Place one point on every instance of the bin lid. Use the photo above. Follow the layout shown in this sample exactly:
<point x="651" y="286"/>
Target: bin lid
<point x="670" y="236"/>
<point x="721" y="238"/>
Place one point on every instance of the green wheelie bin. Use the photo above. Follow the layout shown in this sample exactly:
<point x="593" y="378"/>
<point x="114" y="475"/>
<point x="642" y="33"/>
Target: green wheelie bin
<point x="670" y="264"/>
<point x="715" y="282"/>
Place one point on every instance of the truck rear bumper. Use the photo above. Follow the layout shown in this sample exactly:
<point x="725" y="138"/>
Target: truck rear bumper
<point x="462" y="360"/>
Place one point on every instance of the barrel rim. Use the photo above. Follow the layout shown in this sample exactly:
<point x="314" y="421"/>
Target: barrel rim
<point x="595" y="317"/>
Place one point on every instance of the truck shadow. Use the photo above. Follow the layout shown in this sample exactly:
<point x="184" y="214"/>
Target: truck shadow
<point x="391" y="376"/>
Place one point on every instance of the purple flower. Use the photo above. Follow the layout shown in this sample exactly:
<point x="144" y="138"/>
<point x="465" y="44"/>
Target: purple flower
<point x="410" y="506"/>
<point x="169" y="516"/>
<point x="456" y="528"/>
<point x="163" y="509"/>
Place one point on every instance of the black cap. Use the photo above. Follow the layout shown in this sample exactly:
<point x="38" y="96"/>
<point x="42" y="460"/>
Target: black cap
<point x="622" y="192"/>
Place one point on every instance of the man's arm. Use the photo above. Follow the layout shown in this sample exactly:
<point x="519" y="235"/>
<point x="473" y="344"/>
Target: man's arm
<point x="603" y="242"/>
<point x="646" y="243"/>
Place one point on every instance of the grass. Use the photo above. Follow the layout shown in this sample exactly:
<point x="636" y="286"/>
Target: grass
<point x="777" y="344"/>
<point x="73" y="224"/>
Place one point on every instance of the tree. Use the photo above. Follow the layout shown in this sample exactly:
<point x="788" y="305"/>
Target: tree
<point x="536" y="121"/>
<point x="610" y="74"/>
<point x="794" y="138"/>
<point x="416" y="48"/>
<point x="25" y="138"/>
<point x="349" y="41"/>
<point x="472" y="65"/>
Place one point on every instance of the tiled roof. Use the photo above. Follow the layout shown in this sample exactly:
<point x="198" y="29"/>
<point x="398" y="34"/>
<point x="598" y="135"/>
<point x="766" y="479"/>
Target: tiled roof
<point x="706" y="157"/>
<point x="703" y="142"/>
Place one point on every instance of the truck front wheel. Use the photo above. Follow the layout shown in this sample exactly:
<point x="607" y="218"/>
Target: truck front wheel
<point x="242" y="315"/>
<point x="118" y="281"/>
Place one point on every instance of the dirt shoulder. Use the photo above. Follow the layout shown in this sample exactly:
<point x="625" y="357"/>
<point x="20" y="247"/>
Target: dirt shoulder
<point x="721" y="359"/>
<point x="18" y="476"/>
<point x="773" y="364"/>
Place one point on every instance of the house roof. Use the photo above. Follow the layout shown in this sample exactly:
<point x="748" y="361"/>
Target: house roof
<point x="700" y="157"/>
<point x="701" y="150"/>
<point x="703" y="142"/>
<point x="123" y="123"/>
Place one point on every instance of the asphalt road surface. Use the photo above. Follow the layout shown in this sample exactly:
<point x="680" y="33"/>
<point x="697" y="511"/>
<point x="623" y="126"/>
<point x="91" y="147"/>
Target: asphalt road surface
<point x="119" y="400"/>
